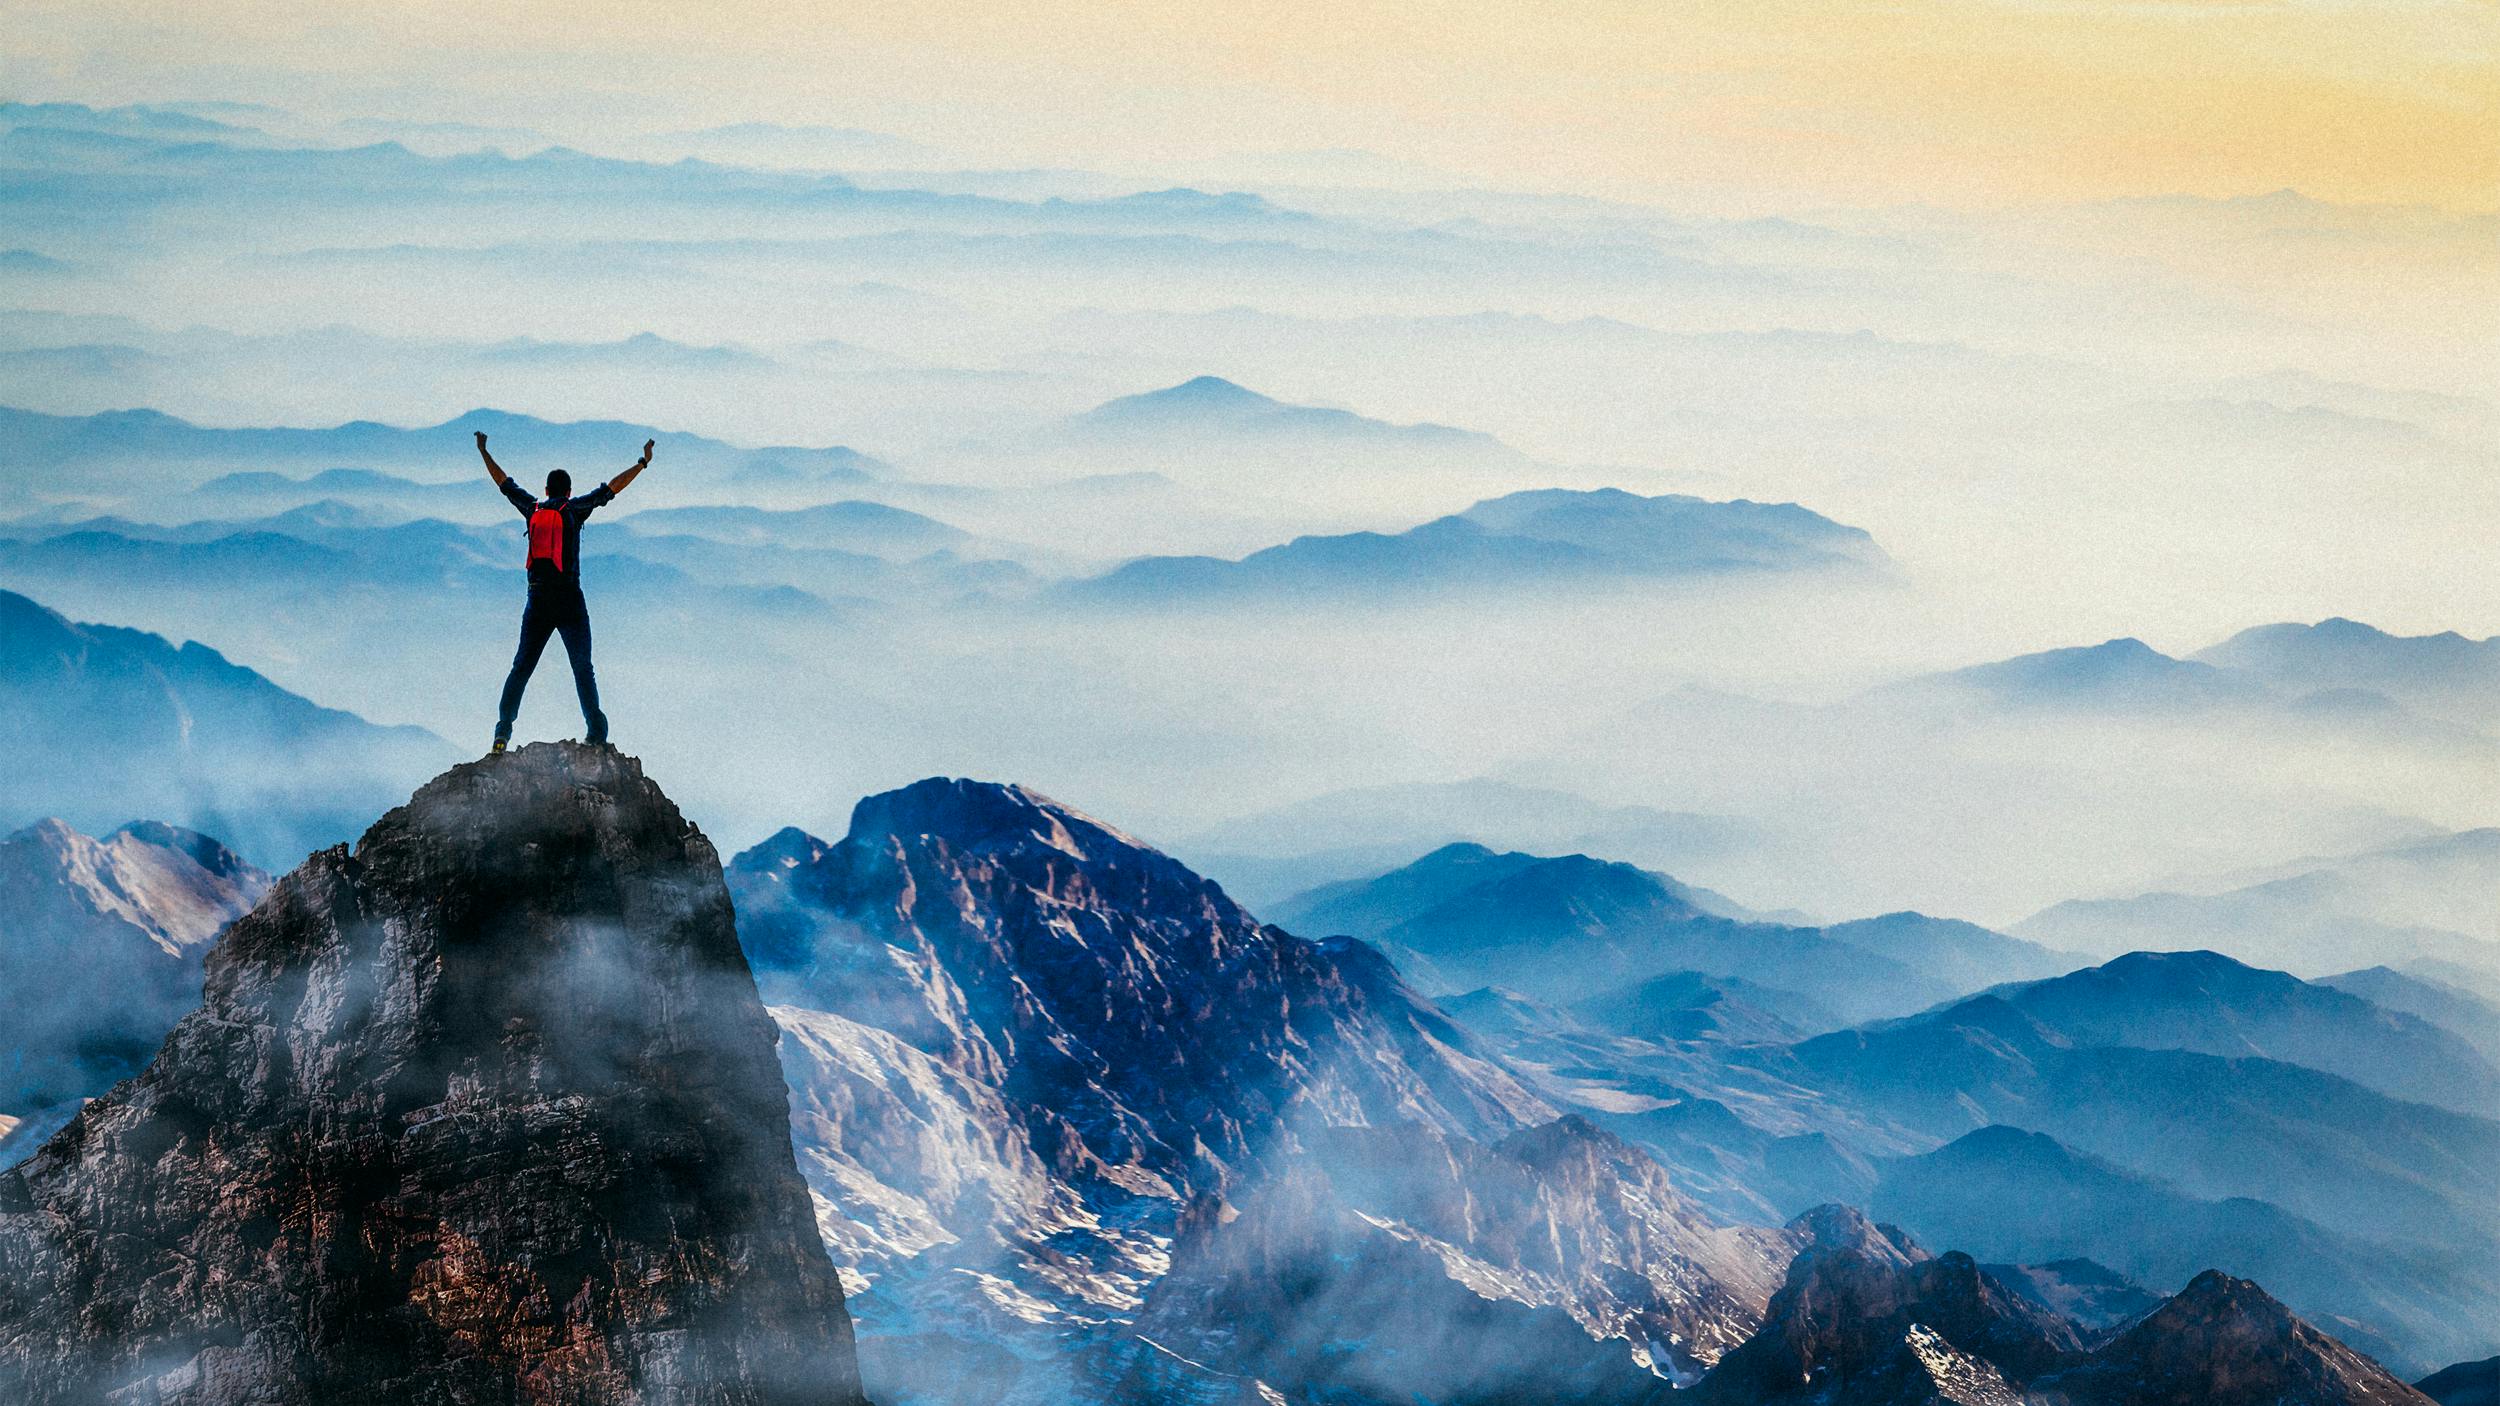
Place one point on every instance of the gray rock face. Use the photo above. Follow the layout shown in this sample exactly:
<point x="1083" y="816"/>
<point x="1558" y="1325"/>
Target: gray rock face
<point x="2225" y="1342"/>
<point x="1869" y="1319"/>
<point x="1021" y="1040"/>
<point x="486" y="1112"/>
<point x="1028" y="1053"/>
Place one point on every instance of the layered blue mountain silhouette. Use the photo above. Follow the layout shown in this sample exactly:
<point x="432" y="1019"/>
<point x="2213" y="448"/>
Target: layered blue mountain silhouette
<point x="2335" y="671"/>
<point x="111" y="722"/>
<point x="2323" y="1146"/>
<point x="145" y="448"/>
<point x="1214" y="407"/>
<point x="2207" y="1002"/>
<point x="2075" y="1206"/>
<point x="2410" y="906"/>
<point x="1569" y="928"/>
<point x="1538" y="537"/>
<point x="2443" y="674"/>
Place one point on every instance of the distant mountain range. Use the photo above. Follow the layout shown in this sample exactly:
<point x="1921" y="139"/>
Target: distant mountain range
<point x="2335" y="669"/>
<point x="147" y="451"/>
<point x="2078" y="1206"/>
<point x="2208" y="1002"/>
<point x="2161" y="1109"/>
<point x="1550" y="537"/>
<point x="1356" y="833"/>
<point x="2398" y="906"/>
<point x="1078" y="1124"/>
<point x="872" y="529"/>
<point x="1868" y="1317"/>
<point x="2443" y="675"/>
<point x="729" y="561"/>
<point x="2322" y="1146"/>
<point x="2123" y="674"/>
<point x="1568" y="928"/>
<point x="1210" y="408"/>
<point x="110" y="722"/>
<point x="2471" y="1018"/>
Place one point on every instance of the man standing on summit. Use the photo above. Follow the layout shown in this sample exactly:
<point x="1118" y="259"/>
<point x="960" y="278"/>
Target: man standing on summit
<point x="555" y="569"/>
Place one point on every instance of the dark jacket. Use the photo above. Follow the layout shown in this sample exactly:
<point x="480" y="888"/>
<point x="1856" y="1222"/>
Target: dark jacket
<point x="575" y="509"/>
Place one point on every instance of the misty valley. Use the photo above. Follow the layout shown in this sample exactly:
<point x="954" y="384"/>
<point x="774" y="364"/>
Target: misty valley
<point x="1324" y="790"/>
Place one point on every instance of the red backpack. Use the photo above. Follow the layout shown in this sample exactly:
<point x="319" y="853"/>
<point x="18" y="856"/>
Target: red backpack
<point x="546" y="538"/>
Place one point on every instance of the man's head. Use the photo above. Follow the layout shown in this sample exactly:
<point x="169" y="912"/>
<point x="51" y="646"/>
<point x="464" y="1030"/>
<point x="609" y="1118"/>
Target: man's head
<point x="559" y="484"/>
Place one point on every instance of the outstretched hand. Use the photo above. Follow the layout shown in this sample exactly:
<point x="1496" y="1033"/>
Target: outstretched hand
<point x="481" y="439"/>
<point x="646" y="453"/>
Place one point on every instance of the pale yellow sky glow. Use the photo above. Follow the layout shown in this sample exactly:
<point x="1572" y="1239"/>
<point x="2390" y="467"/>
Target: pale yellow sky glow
<point x="1768" y="103"/>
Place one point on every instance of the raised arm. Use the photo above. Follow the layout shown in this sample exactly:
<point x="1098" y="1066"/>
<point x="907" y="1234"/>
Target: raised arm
<point x="617" y="484"/>
<point x="503" y="481"/>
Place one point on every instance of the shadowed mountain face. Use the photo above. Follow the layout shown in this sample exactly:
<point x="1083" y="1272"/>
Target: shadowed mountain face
<point x="1850" y="1312"/>
<point x="106" y="722"/>
<point x="1867" y="1318"/>
<point x="2225" y="1342"/>
<point x="2006" y="1194"/>
<point x="2207" y="1002"/>
<point x="2465" y="1384"/>
<point x="485" y="1112"/>
<point x="100" y="948"/>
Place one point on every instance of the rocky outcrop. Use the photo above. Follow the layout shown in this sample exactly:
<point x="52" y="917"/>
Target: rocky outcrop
<point x="100" y="948"/>
<point x="485" y="1112"/>
<point x="2225" y="1342"/>
<point x="1846" y="1314"/>
<point x="1867" y="1318"/>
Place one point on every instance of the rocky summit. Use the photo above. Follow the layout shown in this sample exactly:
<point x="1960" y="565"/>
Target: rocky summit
<point x="486" y="1111"/>
<point x="1867" y="1318"/>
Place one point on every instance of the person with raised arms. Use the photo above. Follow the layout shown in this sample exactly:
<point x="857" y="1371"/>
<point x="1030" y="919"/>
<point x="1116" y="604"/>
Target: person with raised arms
<point x="556" y="606"/>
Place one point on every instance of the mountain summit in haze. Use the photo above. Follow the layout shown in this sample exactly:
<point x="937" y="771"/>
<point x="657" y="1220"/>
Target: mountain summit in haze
<point x="483" y="1111"/>
<point x="100" y="949"/>
<point x="1537" y="539"/>
<point x="105" y="723"/>
<point x="1213" y="404"/>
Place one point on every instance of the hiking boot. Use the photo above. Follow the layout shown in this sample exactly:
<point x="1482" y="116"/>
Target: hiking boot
<point x="498" y="749"/>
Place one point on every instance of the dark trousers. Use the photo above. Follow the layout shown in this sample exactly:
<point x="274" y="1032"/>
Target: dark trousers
<point x="554" y="609"/>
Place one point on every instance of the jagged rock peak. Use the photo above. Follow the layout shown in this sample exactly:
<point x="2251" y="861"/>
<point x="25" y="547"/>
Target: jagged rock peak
<point x="1858" y="1297"/>
<point x="2223" y="1341"/>
<point x="1834" y="1228"/>
<point x="976" y="815"/>
<point x="485" y="1112"/>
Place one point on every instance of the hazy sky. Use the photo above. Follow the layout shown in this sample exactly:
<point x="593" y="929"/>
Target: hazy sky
<point x="1743" y="103"/>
